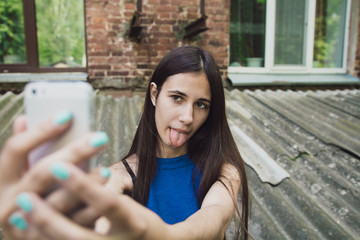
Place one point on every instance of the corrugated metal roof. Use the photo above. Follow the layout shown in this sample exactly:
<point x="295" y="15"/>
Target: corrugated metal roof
<point x="314" y="136"/>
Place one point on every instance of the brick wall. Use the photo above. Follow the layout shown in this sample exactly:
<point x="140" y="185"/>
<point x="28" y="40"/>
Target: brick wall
<point x="357" y="55"/>
<point x="353" y="61"/>
<point x="116" y="61"/>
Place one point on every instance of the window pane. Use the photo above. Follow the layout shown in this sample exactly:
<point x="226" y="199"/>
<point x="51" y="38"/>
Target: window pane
<point x="290" y="32"/>
<point x="329" y="33"/>
<point x="247" y="33"/>
<point x="12" y="37"/>
<point x="60" y="32"/>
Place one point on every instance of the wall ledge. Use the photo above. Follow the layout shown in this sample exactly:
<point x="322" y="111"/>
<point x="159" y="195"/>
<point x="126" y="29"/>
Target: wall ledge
<point x="28" y="77"/>
<point x="249" y="79"/>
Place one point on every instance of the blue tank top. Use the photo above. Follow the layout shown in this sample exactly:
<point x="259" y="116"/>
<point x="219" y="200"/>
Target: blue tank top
<point x="172" y="194"/>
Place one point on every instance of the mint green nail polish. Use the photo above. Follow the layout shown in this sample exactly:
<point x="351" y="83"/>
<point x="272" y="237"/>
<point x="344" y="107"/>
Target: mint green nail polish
<point x="62" y="117"/>
<point x="59" y="171"/>
<point x="105" y="172"/>
<point x="18" y="221"/>
<point x="24" y="202"/>
<point x="99" y="139"/>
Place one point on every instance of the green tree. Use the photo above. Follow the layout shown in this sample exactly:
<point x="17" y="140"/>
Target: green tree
<point x="12" y="37"/>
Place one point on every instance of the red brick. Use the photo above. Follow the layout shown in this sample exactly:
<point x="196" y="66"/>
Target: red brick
<point x="105" y="67"/>
<point x="164" y="15"/>
<point x="130" y="6"/>
<point x="166" y="28"/>
<point x="96" y="26"/>
<point x="154" y="2"/>
<point x="162" y="8"/>
<point x="129" y="14"/>
<point x="93" y="54"/>
<point x="117" y="73"/>
<point x="99" y="74"/>
<point x="96" y="20"/>
<point x="193" y="9"/>
<point x="165" y="21"/>
<point x="165" y="2"/>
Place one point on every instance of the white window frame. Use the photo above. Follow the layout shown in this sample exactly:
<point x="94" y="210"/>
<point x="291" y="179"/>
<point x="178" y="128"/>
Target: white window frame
<point x="310" y="6"/>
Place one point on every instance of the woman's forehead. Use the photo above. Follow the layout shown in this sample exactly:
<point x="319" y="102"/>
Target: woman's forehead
<point x="193" y="82"/>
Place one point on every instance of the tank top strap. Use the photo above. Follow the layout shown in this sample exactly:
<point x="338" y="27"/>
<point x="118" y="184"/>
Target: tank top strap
<point x="129" y="170"/>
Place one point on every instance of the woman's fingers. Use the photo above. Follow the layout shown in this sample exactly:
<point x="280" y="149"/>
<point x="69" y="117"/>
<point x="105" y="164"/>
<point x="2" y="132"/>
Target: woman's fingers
<point x="51" y="223"/>
<point x="14" y="155"/>
<point x="39" y="179"/>
<point x="64" y="201"/>
<point x="114" y="206"/>
<point x="14" y="227"/>
<point x="15" y="178"/>
<point x="91" y="192"/>
<point x="19" y="124"/>
<point x="18" y="227"/>
<point x="86" y="217"/>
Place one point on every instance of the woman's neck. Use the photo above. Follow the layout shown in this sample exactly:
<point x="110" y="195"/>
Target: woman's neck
<point x="168" y="152"/>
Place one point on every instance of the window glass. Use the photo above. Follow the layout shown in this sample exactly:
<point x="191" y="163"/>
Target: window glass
<point x="60" y="33"/>
<point x="12" y="37"/>
<point x="329" y="33"/>
<point x="247" y="33"/>
<point x="290" y="32"/>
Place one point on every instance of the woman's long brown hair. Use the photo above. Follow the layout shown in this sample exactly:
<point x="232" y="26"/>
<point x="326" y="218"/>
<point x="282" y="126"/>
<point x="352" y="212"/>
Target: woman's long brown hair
<point x="210" y="147"/>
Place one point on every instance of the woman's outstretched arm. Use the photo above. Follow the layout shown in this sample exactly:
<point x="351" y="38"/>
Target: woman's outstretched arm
<point x="129" y="219"/>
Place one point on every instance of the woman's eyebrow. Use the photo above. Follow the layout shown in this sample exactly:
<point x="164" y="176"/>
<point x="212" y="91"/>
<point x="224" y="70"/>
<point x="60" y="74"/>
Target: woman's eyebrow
<point x="178" y="92"/>
<point x="205" y="100"/>
<point x="184" y="95"/>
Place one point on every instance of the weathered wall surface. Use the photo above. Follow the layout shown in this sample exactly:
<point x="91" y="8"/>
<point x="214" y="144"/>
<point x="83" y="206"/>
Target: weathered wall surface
<point x="114" y="60"/>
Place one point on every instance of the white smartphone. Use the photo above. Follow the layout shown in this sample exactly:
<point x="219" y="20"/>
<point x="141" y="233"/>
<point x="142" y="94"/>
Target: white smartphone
<point x="43" y="99"/>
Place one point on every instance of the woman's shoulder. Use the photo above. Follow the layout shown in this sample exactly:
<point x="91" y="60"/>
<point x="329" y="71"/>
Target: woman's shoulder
<point x="120" y="177"/>
<point x="120" y="166"/>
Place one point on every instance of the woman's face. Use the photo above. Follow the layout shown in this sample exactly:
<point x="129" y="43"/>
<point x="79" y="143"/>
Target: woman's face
<point x="181" y="107"/>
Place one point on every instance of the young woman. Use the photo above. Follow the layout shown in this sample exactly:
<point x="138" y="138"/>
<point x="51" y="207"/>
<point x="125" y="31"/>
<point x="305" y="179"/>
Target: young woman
<point x="183" y="171"/>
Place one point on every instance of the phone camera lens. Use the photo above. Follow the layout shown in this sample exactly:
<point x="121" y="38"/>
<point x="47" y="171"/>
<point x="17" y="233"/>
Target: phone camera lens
<point x="34" y="91"/>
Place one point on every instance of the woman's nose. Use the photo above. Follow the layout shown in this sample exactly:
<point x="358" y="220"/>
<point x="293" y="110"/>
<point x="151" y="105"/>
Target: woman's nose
<point x="186" y="115"/>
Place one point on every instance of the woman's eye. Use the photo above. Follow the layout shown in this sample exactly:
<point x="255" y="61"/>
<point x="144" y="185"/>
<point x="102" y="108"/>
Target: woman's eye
<point x="176" y="98"/>
<point x="202" y="105"/>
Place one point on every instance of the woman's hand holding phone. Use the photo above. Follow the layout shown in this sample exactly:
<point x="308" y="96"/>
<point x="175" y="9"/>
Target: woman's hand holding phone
<point x="25" y="214"/>
<point x="16" y="177"/>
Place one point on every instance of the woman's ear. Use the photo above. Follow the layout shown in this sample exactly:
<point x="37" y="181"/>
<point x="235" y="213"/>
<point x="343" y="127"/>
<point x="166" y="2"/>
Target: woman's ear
<point x="153" y="93"/>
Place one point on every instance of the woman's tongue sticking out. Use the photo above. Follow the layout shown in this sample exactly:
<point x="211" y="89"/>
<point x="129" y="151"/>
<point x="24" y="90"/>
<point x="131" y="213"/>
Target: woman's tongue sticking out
<point x="177" y="138"/>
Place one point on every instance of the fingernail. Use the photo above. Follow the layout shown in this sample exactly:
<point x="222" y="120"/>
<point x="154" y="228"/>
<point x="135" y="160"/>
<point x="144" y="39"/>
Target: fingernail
<point x="99" y="139"/>
<point x="62" y="117"/>
<point x="59" y="170"/>
<point x="105" y="172"/>
<point x="18" y="221"/>
<point x="23" y="200"/>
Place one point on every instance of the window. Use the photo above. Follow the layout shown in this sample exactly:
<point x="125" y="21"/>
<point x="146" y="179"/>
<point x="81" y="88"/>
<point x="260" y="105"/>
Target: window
<point x="42" y="36"/>
<point x="247" y="33"/>
<point x="305" y="36"/>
